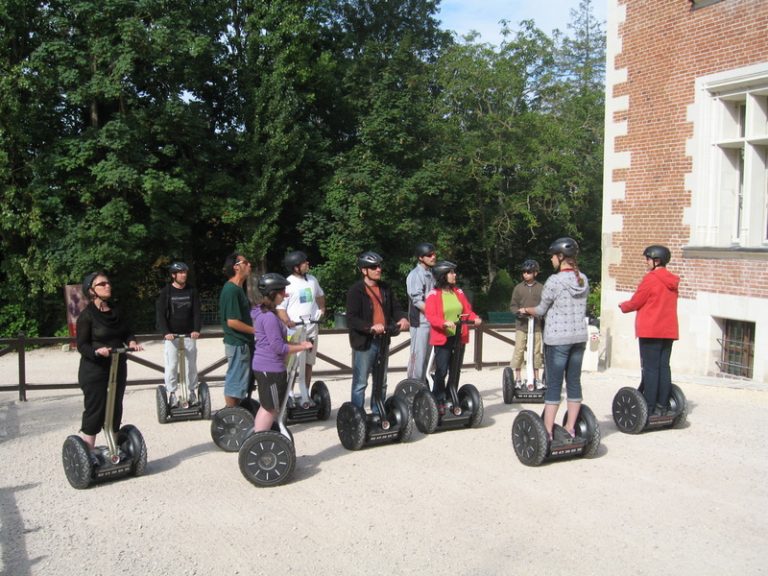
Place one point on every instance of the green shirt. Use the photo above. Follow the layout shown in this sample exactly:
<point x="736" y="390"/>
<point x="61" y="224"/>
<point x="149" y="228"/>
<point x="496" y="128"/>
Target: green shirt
<point x="451" y="310"/>
<point x="234" y="305"/>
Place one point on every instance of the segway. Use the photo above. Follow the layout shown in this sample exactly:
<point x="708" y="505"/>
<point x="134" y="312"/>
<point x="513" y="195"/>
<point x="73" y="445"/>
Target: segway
<point x="631" y="413"/>
<point x="309" y="405"/>
<point x="124" y="455"/>
<point x="186" y="410"/>
<point x="231" y="425"/>
<point x="532" y="446"/>
<point x="268" y="458"/>
<point x="464" y="406"/>
<point x="409" y="387"/>
<point x="523" y="395"/>
<point x="393" y="423"/>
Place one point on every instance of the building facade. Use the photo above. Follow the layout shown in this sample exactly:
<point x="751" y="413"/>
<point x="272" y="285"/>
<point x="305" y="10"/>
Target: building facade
<point x="686" y="165"/>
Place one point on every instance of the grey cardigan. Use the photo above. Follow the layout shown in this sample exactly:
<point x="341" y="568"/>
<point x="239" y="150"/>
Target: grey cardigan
<point x="564" y="307"/>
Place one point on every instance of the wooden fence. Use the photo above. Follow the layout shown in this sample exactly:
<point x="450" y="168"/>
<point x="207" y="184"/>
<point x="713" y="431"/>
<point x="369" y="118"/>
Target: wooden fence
<point x="21" y="345"/>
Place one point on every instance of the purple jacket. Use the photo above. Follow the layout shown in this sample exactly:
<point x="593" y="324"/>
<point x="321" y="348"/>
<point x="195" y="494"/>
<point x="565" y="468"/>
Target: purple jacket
<point x="270" y="338"/>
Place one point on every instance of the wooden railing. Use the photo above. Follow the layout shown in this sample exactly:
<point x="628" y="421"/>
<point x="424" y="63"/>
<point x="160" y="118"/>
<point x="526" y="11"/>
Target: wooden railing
<point x="21" y="345"/>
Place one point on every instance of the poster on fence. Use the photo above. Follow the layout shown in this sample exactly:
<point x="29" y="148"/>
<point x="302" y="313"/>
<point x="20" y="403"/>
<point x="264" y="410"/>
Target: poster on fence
<point x="76" y="303"/>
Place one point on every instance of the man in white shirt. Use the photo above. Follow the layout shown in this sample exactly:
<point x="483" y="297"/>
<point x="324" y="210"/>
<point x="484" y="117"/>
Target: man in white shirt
<point x="304" y="299"/>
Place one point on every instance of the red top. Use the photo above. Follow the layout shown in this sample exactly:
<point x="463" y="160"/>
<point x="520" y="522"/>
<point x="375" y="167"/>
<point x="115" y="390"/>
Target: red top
<point x="656" y="303"/>
<point x="433" y="310"/>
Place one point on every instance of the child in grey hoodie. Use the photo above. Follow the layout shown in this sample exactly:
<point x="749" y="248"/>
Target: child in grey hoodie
<point x="564" y="306"/>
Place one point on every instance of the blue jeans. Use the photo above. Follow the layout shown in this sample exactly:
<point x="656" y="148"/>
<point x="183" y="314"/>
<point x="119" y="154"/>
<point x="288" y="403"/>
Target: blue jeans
<point x="238" y="370"/>
<point x="362" y="364"/>
<point x="563" y="360"/>
<point x="657" y="376"/>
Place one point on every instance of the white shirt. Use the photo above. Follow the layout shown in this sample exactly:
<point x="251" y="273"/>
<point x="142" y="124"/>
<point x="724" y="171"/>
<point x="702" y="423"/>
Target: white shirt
<point x="301" y="299"/>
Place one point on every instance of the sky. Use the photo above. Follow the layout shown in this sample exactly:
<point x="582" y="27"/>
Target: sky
<point x="462" y="16"/>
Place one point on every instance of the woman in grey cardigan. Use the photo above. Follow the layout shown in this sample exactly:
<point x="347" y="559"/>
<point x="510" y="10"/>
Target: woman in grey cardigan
<point x="564" y="306"/>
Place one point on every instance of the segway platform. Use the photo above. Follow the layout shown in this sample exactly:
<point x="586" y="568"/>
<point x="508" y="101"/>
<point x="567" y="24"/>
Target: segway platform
<point x="319" y="409"/>
<point x="124" y="455"/>
<point x="185" y="410"/>
<point x="523" y="395"/>
<point x="529" y="438"/>
<point x="393" y="423"/>
<point x="631" y="414"/>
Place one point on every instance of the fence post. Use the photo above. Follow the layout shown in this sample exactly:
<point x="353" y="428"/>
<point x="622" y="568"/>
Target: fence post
<point x="20" y="350"/>
<point x="479" y="347"/>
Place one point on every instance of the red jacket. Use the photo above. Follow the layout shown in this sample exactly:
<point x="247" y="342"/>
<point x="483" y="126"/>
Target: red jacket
<point x="433" y="310"/>
<point x="656" y="303"/>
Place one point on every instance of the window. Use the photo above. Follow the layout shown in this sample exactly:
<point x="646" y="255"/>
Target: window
<point x="737" y="348"/>
<point x="730" y="160"/>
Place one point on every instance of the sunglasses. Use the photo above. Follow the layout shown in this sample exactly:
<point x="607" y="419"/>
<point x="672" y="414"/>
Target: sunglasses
<point x="102" y="284"/>
<point x="377" y="267"/>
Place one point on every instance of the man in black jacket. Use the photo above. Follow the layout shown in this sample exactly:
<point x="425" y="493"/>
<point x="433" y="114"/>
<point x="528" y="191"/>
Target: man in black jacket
<point x="178" y="312"/>
<point x="371" y="307"/>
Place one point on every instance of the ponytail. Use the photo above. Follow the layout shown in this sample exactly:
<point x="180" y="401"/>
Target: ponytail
<point x="572" y="263"/>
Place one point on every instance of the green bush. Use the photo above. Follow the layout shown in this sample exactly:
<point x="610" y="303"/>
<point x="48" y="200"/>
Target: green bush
<point x="13" y="320"/>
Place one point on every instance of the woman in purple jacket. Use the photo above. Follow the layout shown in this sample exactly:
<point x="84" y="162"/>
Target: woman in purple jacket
<point x="271" y="350"/>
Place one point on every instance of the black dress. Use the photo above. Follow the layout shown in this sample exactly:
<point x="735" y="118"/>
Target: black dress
<point x="95" y="330"/>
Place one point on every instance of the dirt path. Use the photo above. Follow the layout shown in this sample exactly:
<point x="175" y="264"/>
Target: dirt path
<point x="689" y="501"/>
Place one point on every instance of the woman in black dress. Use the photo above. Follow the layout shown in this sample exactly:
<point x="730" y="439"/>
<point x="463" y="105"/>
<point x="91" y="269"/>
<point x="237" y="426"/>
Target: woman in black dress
<point x="100" y="327"/>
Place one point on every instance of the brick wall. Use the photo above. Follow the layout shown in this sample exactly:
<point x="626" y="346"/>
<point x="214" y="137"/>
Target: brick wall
<point x="665" y="46"/>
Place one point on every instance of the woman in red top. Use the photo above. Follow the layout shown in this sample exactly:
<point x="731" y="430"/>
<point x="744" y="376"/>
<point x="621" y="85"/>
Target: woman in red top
<point x="656" y="326"/>
<point x="443" y="307"/>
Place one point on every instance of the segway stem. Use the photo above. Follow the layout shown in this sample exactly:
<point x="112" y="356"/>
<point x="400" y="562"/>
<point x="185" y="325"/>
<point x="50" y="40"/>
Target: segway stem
<point x="457" y="357"/>
<point x="182" y="370"/>
<point x="109" y="418"/>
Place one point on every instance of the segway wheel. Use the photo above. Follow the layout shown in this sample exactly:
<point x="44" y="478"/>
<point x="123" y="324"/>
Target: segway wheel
<point x="399" y="411"/>
<point x="130" y="441"/>
<point x="350" y="425"/>
<point x="508" y="385"/>
<point x="679" y="405"/>
<point x="529" y="438"/>
<point x="587" y="427"/>
<point x="408" y="389"/>
<point x="322" y="397"/>
<point x="230" y="427"/>
<point x="630" y="411"/>
<point x="161" y="400"/>
<point x="425" y="412"/>
<point x="470" y="399"/>
<point x="77" y="462"/>
<point x="204" y="396"/>
<point x="267" y="459"/>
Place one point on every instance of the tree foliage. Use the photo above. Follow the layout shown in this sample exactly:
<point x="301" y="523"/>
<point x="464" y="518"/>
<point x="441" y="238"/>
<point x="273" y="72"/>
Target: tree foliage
<point x="134" y="132"/>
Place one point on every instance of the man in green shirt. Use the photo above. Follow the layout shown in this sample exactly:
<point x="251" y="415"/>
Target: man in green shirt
<point x="235" y="314"/>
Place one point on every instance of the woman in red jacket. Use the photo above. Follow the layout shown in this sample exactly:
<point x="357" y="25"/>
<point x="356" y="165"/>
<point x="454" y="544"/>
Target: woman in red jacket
<point x="443" y="307"/>
<point x="656" y="326"/>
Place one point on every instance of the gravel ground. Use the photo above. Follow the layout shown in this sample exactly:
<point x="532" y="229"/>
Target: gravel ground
<point x="687" y="501"/>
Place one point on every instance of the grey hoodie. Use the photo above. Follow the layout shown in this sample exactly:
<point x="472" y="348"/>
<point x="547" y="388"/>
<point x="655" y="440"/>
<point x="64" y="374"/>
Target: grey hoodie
<point x="564" y="307"/>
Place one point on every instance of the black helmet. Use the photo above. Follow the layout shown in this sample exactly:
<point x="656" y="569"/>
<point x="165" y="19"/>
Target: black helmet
<point x="440" y="269"/>
<point x="530" y="265"/>
<point x="565" y="246"/>
<point x="88" y="282"/>
<point x="369" y="260"/>
<point x="293" y="259"/>
<point x="658" y="252"/>
<point x="424" y="248"/>
<point x="271" y="282"/>
<point x="177" y="267"/>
